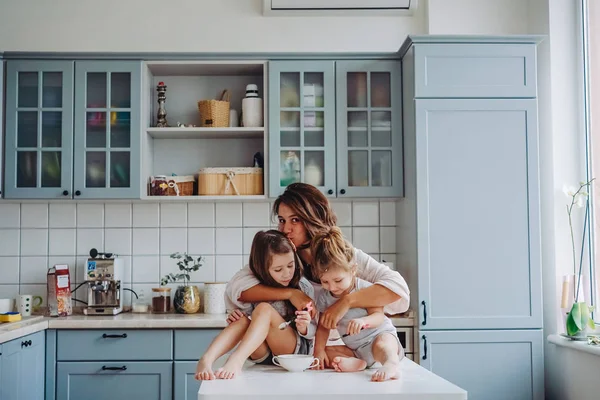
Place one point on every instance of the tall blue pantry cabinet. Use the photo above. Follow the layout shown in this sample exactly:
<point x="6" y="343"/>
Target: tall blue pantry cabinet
<point x="472" y="183"/>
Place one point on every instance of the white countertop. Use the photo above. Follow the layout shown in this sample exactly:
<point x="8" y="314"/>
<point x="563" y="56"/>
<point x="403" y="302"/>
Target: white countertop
<point x="260" y="382"/>
<point x="128" y="320"/>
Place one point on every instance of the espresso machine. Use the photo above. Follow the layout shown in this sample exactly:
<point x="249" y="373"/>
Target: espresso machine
<point x="103" y="276"/>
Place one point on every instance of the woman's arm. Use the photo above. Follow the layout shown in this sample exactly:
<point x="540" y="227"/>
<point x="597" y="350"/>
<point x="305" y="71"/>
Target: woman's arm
<point x="243" y="280"/>
<point x="260" y="292"/>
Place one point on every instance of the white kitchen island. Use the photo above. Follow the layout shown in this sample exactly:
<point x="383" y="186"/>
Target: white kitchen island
<point x="260" y="382"/>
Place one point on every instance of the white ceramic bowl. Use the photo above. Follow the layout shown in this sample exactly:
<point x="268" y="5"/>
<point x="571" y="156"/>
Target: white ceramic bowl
<point x="295" y="362"/>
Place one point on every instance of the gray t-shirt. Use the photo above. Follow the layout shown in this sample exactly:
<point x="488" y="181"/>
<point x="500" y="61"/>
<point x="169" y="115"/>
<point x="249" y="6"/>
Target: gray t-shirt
<point x="367" y="335"/>
<point x="281" y="307"/>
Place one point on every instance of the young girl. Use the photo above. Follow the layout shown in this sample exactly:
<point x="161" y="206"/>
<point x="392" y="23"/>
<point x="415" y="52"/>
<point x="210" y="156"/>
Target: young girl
<point x="368" y="334"/>
<point x="274" y="262"/>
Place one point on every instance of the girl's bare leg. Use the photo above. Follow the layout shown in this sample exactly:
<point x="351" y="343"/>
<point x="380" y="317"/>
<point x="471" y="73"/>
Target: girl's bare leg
<point x="224" y="342"/>
<point x="388" y="353"/>
<point x="263" y="327"/>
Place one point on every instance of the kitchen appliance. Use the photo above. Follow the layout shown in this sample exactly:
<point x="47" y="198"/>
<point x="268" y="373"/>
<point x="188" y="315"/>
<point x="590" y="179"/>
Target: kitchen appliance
<point x="104" y="274"/>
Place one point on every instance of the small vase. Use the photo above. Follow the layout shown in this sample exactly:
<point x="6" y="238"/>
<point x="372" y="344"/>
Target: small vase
<point x="187" y="300"/>
<point x="214" y="297"/>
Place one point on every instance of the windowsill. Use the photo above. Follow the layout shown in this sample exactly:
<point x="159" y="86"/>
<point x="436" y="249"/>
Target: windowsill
<point x="575" y="345"/>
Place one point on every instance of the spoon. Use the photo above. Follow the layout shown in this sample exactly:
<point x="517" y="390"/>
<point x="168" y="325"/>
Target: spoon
<point x="284" y="325"/>
<point x="347" y="334"/>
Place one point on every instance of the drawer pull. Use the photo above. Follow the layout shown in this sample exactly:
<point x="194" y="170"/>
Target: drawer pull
<point x="105" y="336"/>
<point x="424" y="313"/>
<point x="105" y="368"/>
<point x="424" y="346"/>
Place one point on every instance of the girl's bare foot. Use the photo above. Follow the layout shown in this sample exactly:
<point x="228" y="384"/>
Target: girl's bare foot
<point x="230" y="370"/>
<point x="204" y="371"/>
<point x="348" y="364"/>
<point x="386" y="372"/>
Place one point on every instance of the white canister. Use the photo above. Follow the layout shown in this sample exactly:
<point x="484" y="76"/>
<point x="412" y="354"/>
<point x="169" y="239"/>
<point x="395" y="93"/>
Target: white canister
<point x="6" y="305"/>
<point x="252" y="108"/>
<point x="233" y="118"/>
<point x="214" y="297"/>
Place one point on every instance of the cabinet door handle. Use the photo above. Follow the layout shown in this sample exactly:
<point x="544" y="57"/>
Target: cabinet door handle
<point x="105" y="368"/>
<point x="424" y="347"/>
<point x="343" y="191"/>
<point x="65" y="192"/>
<point x="77" y="193"/>
<point x="24" y="344"/>
<point x="330" y="191"/>
<point x="29" y="343"/>
<point x="424" y="313"/>
<point x="105" y="336"/>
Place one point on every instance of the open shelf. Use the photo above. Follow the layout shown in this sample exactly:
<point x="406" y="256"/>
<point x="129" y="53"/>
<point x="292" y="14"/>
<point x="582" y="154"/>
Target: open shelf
<point x="206" y="133"/>
<point x="205" y="198"/>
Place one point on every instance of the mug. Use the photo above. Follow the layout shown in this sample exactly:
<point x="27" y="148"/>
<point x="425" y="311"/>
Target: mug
<point x="6" y="305"/>
<point x="295" y="362"/>
<point x="25" y="304"/>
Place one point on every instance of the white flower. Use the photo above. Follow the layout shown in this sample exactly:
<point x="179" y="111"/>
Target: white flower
<point x="580" y="200"/>
<point x="569" y="190"/>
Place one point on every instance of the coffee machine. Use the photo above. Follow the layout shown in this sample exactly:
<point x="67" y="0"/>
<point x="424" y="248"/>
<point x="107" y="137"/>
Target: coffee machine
<point x="103" y="275"/>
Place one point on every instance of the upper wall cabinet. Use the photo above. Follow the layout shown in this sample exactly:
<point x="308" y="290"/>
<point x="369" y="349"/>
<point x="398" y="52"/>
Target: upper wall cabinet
<point x="51" y="152"/>
<point x="339" y="131"/>
<point x="39" y="129"/>
<point x="339" y="7"/>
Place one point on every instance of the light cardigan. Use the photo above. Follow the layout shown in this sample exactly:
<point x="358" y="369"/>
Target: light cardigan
<point x="367" y="268"/>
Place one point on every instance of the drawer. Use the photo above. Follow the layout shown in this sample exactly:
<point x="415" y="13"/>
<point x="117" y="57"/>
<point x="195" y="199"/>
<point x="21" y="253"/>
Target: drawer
<point x="113" y="344"/>
<point x="25" y="342"/>
<point x="475" y="70"/>
<point x="406" y="338"/>
<point x="190" y="344"/>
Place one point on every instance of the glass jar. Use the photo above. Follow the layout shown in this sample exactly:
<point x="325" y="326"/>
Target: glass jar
<point x="161" y="300"/>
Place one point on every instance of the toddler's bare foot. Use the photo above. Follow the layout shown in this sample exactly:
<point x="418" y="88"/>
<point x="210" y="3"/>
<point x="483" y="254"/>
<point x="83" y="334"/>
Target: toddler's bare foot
<point x="386" y="372"/>
<point x="348" y="364"/>
<point x="230" y="370"/>
<point x="204" y="371"/>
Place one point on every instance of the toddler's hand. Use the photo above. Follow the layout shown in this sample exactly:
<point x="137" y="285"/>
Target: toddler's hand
<point x="323" y="360"/>
<point x="302" y="321"/>
<point x="234" y="316"/>
<point x="355" y="326"/>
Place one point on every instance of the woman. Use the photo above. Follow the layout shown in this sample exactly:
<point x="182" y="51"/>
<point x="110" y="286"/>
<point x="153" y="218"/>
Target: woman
<point x="303" y="211"/>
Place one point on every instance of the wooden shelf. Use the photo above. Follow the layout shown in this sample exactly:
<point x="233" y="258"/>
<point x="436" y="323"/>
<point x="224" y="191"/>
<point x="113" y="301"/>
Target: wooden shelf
<point x="205" y="198"/>
<point x="206" y="133"/>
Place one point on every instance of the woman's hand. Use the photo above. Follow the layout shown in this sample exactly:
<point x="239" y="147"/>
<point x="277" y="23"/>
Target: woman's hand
<point x="234" y="316"/>
<point x="302" y="321"/>
<point x="301" y="301"/>
<point x="355" y="326"/>
<point x="323" y="360"/>
<point x="330" y="318"/>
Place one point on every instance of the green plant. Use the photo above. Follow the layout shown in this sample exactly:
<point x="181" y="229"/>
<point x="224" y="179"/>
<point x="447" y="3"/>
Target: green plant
<point x="579" y="315"/>
<point x="186" y="264"/>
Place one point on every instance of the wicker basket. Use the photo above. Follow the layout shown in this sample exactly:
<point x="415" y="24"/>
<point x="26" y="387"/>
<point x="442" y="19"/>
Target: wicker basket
<point x="230" y="181"/>
<point x="181" y="185"/>
<point x="215" y="113"/>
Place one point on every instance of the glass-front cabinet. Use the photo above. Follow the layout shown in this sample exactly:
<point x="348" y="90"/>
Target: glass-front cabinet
<point x="302" y="125"/>
<point x="107" y="129"/>
<point x="369" y="129"/>
<point x="39" y="129"/>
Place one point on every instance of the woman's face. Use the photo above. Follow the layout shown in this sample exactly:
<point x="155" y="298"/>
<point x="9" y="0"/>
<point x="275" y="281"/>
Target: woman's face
<point x="282" y="268"/>
<point x="291" y="225"/>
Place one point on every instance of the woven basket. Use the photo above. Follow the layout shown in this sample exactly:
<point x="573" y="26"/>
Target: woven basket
<point x="230" y="181"/>
<point x="181" y="185"/>
<point x="215" y="113"/>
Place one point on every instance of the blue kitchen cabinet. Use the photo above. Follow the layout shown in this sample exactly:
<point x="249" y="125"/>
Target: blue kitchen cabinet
<point x="489" y="365"/>
<point x="107" y="129"/>
<point x="72" y="129"/>
<point x="124" y="380"/>
<point x="1" y="116"/>
<point x="369" y="128"/>
<point x="477" y="168"/>
<point x="39" y="129"/>
<point x="472" y="183"/>
<point x="190" y="345"/>
<point x="22" y="368"/>
<point x="302" y="125"/>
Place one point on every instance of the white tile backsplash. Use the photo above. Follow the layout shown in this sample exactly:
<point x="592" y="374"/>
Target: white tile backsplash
<point x="228" y="215"/>
<point x="62" y="215"/>
<point x="34" y="215"/>
<point x="10" y="216"/>
<point x="35" y="236"/>
<point x="117" y="216"/>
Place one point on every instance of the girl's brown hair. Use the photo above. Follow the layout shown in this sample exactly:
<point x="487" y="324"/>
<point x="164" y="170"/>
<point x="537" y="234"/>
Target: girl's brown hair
<point x="310" y="205"/>
<point x="330" y="249"/>
<point x="264" y="245"/>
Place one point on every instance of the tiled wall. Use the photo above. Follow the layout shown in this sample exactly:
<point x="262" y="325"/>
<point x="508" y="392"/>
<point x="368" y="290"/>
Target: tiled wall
<point x="34" y="236"/>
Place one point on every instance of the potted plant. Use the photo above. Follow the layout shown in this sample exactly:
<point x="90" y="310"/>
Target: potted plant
<point x="187" y="297"/>
<point x="578" y="318"/>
